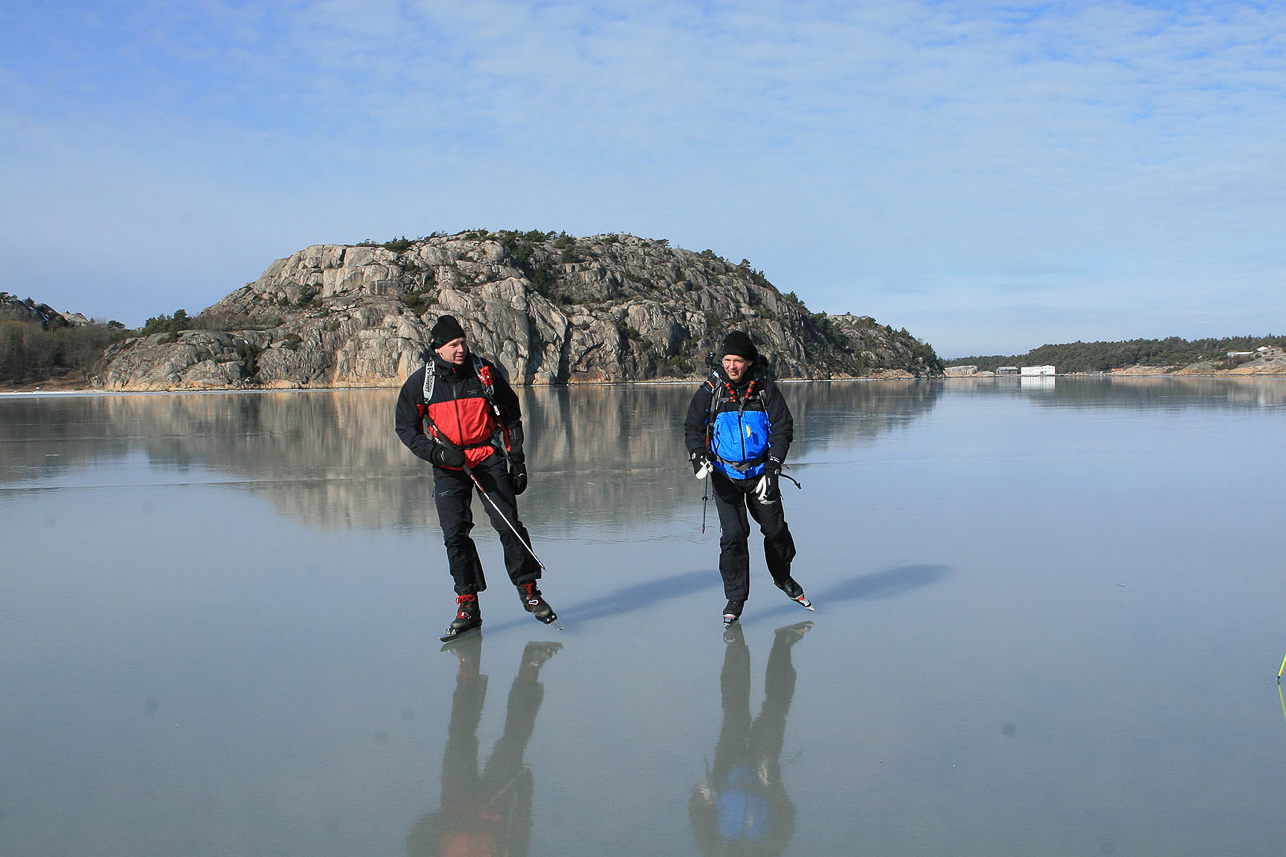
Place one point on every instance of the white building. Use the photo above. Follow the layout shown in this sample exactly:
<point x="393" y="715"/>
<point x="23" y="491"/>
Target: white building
<point x="1029" y="371"/>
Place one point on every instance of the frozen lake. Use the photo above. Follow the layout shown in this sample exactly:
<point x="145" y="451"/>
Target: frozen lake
<point x="1047" y="623"/>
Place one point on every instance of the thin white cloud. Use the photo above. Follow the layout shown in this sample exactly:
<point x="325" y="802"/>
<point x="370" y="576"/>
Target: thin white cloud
<point x="1131" y="151"/>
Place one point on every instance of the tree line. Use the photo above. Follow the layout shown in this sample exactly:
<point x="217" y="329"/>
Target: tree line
<point x="1106" y="356"/>
<point x="38" y="343"/>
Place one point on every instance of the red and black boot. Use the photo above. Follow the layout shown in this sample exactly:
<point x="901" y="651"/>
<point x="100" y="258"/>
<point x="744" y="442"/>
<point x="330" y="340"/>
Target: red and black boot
<point x="534" y="603"/>
<point x="468" y="617"/>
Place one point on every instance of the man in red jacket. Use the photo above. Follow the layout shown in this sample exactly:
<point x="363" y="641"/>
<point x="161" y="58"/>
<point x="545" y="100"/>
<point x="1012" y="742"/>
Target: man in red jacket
<point x="460" y="414"/>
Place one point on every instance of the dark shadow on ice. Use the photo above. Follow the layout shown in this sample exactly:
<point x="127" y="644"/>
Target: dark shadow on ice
<point x="485" y="811"/>
<point x="740" y="806"/>
<point x="627" y="599"/>
<point x="889" y="583"/>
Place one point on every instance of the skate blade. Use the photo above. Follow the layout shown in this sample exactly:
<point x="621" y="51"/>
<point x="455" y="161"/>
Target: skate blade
<point x="805" y="603"/>
<point x="450" y="637"/>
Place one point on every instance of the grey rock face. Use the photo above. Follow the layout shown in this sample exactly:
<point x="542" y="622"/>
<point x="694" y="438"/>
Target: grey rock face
<point x="550" y="309"/>
<point x="12" y="309"/>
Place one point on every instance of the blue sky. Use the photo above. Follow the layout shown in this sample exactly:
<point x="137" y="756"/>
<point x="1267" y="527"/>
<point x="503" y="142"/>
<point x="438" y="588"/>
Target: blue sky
<point x="990" y="176"/>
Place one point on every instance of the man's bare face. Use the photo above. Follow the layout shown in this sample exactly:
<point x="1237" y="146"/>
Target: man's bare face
<point x="454" y="351"/>
<point x="735" y="367"/>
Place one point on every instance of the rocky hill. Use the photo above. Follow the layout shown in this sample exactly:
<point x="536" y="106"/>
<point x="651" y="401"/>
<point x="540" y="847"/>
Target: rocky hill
<point x="551" y="308"/>
<point x="30" y="312"/>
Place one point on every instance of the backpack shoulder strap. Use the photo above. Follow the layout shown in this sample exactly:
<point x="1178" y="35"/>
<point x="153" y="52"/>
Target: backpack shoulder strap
<point x="483" y="371"/>
<point x="429" y="377"/>
<point x="714" y="386"/>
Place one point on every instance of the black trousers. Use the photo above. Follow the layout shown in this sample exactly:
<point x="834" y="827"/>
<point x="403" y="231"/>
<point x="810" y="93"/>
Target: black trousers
<point x="733" y="498"/>
<point x="453" y="496"/>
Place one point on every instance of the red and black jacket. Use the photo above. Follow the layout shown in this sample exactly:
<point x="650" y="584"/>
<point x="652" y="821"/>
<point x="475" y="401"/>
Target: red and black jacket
<point x="459" y="410"/>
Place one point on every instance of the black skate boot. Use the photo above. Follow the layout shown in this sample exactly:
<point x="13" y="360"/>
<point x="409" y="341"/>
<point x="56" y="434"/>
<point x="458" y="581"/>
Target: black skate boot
<point x="534" y="603"/>
<point x="794" y="591"/>
<point x="732" y="612"/>
<point x="468" y="617"/>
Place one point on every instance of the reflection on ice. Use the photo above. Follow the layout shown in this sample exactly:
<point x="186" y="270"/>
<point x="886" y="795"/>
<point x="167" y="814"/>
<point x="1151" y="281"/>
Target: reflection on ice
<point x="487" y="810"/>
<point x="741" y="805"/>
<point x="614" y="454"/>
<point x="1135" y="392"/>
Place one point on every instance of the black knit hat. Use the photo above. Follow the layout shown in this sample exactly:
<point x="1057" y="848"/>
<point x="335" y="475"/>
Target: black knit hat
<point x="739" y="344"/>
<point x="444" y="330"/>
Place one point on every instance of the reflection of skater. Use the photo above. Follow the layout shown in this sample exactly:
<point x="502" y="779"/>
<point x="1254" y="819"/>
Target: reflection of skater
<point x="487" y="813"/>
<point x="741" y="806"/>
<point x="460" y="414"/>
<point x="738" y="430"/>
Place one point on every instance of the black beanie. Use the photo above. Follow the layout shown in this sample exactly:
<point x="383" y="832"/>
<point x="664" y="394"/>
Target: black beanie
<point x="444" y="330"/>
<point x="739" y="344"/>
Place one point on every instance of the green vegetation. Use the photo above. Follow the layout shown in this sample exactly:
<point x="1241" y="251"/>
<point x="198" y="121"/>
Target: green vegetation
<point x="401" y="244"/>
<point x="1106" y="356"/>
<point x="566" y="245"/>
<point x="307" y="297"/>
<point x="170" y="324"/>
<point x="627" y="332"/>
<point x="535" y="261"/>
<point x="924" y="351"/>
<point x="417" y="300"/>
<point x="226" y="320"/>
<point x="249" y="355"/>
<point x="32" y="353"/>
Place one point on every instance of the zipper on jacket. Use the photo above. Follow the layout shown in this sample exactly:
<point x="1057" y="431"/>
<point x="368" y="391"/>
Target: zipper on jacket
<point x="741" y="427"/>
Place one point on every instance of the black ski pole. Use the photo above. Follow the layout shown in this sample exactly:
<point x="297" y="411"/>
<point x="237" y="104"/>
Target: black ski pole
<point x="705" y="492"/>
<point x="705" y="501"/>
<point x="487" y="498"/>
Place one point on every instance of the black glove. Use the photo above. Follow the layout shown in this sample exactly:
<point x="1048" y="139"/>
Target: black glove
<point x="446" y="454"/>
<point x="772" y="472"/>
<point x="700" y="463"/>
<point x="518" y="473"/>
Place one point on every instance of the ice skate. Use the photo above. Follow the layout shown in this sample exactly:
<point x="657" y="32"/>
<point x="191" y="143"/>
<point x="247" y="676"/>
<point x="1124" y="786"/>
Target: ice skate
<point x="794" y="592"/>
<point x="732" y="612"/>
<point x="468" y="617"/>
<point x="534" y="603"/>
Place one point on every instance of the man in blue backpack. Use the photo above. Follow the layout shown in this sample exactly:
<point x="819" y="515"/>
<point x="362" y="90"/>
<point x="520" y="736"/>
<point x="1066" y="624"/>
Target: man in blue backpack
<point x="738" y="431"/>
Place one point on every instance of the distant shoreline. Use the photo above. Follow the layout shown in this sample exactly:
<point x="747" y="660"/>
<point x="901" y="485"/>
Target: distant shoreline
<point x="66" y="389"/>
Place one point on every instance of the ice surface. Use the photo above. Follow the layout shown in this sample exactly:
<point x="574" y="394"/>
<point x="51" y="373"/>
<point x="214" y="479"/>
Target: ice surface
<point x="1047" y="623"/>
